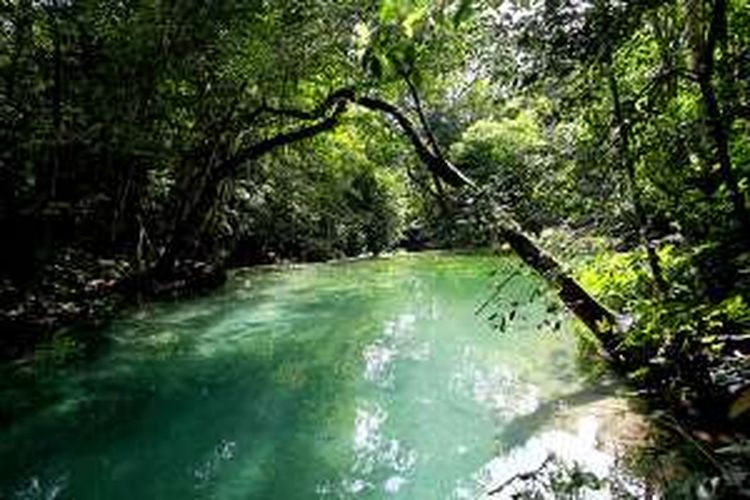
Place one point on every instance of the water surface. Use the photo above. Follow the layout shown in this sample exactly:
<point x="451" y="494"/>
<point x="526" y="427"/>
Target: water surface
<point x="371" y="379"/>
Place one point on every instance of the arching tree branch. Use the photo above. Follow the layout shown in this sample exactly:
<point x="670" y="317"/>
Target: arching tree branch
<point x="594" y="315"/>
<point x="283" y="139"/>
<point x="437" y="164"/>
<point x="421" y="115"/>
<point x="329" y="113"/>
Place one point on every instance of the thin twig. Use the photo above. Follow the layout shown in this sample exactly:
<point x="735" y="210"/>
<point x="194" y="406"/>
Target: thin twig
<point x="498" y="290"/>
<point x="523" y="476"/>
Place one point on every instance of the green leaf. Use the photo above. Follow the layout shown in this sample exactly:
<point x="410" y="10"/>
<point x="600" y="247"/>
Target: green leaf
<point x="390" y="11"/>
<point x="413" y="22"/>
<point x="463" y="12"/>
<point x="740" y="405"/>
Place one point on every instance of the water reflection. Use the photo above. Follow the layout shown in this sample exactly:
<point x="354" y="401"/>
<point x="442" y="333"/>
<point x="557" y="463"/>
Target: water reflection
<point x="41" y="489"/>
<point x="496" y="387"/>
<point x="207" y="471"/>
<point x="541" y="464"/>
<point x="378" y="363"/>
<point x="397" y="341"/>
<point x="379" y="461"/>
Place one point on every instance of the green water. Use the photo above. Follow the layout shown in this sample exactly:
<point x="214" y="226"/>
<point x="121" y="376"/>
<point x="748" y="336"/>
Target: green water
<point x="371" y="379"/>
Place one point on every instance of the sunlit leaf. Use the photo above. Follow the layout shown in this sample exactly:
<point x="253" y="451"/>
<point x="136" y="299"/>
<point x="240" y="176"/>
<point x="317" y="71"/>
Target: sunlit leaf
<point x="412" y="22"/>
<point x="390" y="10"/>
<point x="740" y="405"/>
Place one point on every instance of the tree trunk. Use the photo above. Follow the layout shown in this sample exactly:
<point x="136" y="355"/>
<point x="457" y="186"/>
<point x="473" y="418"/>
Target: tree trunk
<point x="54" y="20"/>
<point x="597" y="318"/>
<point x="626" y="159"/>
<point x="717" y="123"/>
<point x="720" y="135"/>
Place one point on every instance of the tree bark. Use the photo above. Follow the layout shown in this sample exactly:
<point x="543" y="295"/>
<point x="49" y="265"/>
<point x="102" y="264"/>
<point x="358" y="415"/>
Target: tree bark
<point x="626" y="159"/>
<point x="717" y="123"/>
<point x="54" y="20"/>
<point x="597" y="318"/>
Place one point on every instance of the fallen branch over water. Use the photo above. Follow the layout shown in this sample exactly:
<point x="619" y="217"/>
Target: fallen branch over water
<point x="522" y="476"/>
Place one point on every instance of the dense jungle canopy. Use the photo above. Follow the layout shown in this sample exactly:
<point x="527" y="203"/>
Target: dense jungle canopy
<point x="147" y="146"/>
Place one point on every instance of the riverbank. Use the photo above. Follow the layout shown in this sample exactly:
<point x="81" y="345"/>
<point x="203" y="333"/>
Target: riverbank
<point x="686" y="354"/>
<point x="79" y="289"/>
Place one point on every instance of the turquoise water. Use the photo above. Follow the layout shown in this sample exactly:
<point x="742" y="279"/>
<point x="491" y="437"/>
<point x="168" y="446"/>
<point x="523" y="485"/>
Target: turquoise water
<point x="370" y="379"/>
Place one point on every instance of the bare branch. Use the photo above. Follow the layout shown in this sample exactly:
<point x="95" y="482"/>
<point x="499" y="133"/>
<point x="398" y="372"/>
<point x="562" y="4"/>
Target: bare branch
<point x="266" y="146"/>
<point x="522" y="476"/>
<point x="437" y="164"/>
<point x="420" y="114"/>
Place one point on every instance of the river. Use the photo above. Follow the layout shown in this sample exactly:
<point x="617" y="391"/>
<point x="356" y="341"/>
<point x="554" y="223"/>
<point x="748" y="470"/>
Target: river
<point x="368" y="379"/>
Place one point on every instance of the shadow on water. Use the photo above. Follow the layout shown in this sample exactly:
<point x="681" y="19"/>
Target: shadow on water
<point x="173" y="416"/>
<point x="520" y="429"/>
<point x="183" y="426"/>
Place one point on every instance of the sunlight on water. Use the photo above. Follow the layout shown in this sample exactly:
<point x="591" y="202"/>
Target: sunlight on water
<point x="495" y="387"/>
<point x="373" y="379"/>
